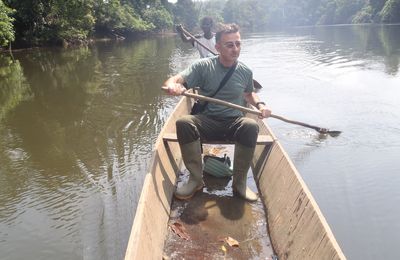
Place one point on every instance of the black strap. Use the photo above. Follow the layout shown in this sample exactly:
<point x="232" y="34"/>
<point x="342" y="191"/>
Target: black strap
<point x="223" y="82"/>
<point x="225" y="79"/>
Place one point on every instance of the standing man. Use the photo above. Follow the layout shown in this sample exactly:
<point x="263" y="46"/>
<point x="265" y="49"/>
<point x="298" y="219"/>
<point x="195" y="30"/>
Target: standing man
<point x="218" y="122"/>
<point x="207" y="39"/>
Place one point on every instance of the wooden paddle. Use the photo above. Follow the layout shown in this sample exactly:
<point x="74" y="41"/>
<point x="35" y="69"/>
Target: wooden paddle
<point x="256" y="84"/>
<point x="256" y="112"/>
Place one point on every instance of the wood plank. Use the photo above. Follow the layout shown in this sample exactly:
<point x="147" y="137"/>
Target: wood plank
<point x="298" y="228"/>
<point x="261" y="139"/>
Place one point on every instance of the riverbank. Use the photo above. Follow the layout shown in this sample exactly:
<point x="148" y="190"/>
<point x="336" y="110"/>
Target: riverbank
<point x="90" y="41"/>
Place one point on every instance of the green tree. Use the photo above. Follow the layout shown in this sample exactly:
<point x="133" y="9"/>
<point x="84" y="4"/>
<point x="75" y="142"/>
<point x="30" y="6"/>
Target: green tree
<point x="159" y="17"/>
<point x="72" y="20"/>
<point x="186" y="13"/>
<point x="120" y="19"/>
<point x="365" y="15"/>
<point x="346" y="10"/>
<point x="6" y="25"/>
<point x="40" y="21"/>
<point x="211" y="8"/>
<point x="391" y="11"/>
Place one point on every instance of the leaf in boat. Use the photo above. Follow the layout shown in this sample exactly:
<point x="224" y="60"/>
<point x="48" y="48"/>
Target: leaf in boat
<point x="223" y="248"/>
<point x="180" y="230"/>
<point x="231" y="242"/>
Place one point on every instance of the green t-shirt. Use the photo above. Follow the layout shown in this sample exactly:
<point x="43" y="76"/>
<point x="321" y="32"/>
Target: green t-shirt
<point x="208" y="73"/>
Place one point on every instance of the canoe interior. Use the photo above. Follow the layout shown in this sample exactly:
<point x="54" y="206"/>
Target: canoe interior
<point x="215" y="214"/>
<point x="297" y="228"/>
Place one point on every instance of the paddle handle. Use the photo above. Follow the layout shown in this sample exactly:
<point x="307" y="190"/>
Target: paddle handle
<point x="249" y="110"/>
<point x="222" y="102"/>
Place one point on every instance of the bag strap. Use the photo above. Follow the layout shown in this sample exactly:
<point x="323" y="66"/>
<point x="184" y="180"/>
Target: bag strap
<point x="223" y="82"/>
<point x="225" y="79"/>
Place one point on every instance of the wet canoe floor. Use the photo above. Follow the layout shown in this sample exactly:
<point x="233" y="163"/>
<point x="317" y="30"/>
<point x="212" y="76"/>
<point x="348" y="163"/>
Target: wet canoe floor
<point x="211" y="216"/>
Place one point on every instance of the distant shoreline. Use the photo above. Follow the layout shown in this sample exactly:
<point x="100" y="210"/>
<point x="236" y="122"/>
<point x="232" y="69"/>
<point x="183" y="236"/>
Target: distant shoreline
<point x="86" y="42"/>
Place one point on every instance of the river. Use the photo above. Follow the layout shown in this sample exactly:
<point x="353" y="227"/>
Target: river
<point x="77" y="128"/>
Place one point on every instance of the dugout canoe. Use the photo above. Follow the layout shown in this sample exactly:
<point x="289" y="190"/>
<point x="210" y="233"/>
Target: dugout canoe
<point x="296" y="226"/>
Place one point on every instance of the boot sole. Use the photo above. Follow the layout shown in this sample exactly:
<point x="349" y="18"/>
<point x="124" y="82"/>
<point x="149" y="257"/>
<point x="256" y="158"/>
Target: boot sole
<point x="190" y="195"/>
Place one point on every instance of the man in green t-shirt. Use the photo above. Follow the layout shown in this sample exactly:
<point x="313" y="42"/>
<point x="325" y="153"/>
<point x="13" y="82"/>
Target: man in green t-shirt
<point x="218" y="122"/>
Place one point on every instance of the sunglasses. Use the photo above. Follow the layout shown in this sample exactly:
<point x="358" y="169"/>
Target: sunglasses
<point x="230" y="45"/>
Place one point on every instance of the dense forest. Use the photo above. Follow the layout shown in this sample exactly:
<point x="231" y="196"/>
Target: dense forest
<point x="40" y="22"/>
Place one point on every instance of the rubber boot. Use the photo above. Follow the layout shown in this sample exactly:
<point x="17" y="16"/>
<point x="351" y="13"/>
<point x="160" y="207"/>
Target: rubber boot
<point x="191" y="155"/>
<point x="241" y="166"/>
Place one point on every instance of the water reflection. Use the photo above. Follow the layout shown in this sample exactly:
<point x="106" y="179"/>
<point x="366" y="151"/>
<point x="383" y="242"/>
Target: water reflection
<point x="356" y="45"/>
<point x="76" y="136"/>
<point x="344" y="78"/>
<point x="13" y="85"/>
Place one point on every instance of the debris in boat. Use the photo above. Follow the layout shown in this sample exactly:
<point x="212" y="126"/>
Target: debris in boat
<point x="214" y="150"/>
<point x="223" y="248"/>
<point x="230" y="241"/>
<point x="180" y="230"/>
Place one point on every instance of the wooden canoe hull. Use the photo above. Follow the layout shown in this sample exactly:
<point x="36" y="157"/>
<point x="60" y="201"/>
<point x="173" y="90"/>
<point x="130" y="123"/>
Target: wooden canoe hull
<point x="298" y="230"/>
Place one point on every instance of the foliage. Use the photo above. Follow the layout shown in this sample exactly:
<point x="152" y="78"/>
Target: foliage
<point x="13" y="85"/>
<point x="71" y="20"/>
<point x="346" y="10"/>
<point x="249" y="14"/>
<point x="6" y="26"/>
<point x="185" y="13"/>
<point x="43" y="21"/>
<point x="159" y="17"/>
<point x="391" y="11"/>
<point x="213" y="9"/>
<point x="365" y="15"/>
<point x="114" y="17"/>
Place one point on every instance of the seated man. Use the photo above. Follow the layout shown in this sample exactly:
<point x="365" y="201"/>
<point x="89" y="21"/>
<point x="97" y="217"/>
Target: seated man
<point x="218" y="122"/>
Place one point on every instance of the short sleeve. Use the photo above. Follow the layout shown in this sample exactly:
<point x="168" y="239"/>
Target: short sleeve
<point x="192" y="75"/>
<point x="249" y="83"/>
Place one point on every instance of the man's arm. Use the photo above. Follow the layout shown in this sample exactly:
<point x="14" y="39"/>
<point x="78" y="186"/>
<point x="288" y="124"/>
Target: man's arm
<point x="254" y="100"/>
<point x="174" y="85"/>
<point x="184" y="37"/>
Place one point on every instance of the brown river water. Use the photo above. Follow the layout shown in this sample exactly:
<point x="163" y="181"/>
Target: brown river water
<point x="77" y="128"/>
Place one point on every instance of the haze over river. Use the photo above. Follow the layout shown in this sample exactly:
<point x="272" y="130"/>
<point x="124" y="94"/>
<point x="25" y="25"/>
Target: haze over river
<point x="77" y="128"/>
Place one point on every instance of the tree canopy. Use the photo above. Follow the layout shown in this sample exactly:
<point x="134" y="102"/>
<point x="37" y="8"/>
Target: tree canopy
<point x="6" y="26"/>
<point x="38" y="22"/>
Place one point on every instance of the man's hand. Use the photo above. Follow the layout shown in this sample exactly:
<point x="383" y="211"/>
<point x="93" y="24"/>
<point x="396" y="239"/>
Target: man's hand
<point x="265" y="112"/>
<point x="179" y="28"/>
<point x="174" y="89"/>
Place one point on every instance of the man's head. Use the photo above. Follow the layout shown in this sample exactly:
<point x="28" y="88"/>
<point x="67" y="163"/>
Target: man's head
<point x="228" y="43"/>
<point x="206" y="24"/>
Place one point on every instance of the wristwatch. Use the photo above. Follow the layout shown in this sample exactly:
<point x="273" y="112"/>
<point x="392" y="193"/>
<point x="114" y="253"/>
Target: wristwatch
<point x="258" y="103"/>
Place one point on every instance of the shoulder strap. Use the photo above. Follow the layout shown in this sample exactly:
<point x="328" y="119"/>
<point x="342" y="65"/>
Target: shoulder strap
<point x="223" y="82"/>
<point x="225" y="79"/>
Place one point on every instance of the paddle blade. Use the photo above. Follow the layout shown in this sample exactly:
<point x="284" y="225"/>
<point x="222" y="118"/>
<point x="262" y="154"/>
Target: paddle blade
<point x="329" y="132"/>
